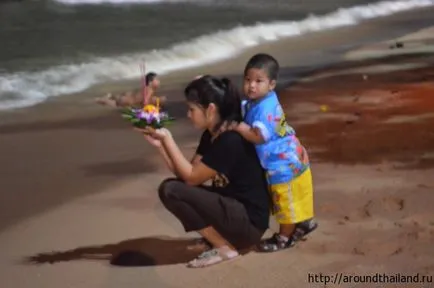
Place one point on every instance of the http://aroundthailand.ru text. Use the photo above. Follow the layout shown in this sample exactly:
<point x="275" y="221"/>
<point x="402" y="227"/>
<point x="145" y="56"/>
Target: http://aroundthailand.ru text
<point x="376" y="278"/>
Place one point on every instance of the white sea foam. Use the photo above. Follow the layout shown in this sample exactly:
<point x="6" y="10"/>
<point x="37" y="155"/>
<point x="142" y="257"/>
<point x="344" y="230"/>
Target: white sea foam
<point x="96" y="2"/>
<point x="28" y="88"/>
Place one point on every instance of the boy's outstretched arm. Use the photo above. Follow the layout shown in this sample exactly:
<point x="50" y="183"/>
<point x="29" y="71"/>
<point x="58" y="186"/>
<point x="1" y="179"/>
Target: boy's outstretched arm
<point x="251" y="134"/>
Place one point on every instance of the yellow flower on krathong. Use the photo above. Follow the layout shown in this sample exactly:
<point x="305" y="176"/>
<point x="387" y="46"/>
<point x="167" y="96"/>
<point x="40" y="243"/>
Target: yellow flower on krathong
<point x="151" y="109"/>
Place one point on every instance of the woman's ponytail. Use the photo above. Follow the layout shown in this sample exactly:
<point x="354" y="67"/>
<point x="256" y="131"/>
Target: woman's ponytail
<point x="232" y="101"/>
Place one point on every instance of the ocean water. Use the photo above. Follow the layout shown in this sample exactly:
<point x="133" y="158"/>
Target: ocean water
<point x="57" y="47"/>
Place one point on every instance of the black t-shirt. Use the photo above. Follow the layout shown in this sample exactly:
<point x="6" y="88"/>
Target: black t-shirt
<point x="240" y="174"/>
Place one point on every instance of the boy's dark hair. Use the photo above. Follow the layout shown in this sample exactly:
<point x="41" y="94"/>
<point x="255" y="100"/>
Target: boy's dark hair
<point x="266" y="62"/>
<point x="207" y="89"/>
<point x="150" y="77"/>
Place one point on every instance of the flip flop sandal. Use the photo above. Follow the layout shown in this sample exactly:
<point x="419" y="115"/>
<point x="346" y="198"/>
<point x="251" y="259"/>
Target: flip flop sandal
<point x="212" y="257"/>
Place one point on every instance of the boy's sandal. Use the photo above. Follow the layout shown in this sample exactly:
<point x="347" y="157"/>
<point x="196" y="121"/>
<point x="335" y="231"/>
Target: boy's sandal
<point x="277" y="242"/>
<point x="212" y="257"/>
<point x="302" y="229"/>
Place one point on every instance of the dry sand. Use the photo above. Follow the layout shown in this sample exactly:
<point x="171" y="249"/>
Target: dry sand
<point x="80" y="187"/>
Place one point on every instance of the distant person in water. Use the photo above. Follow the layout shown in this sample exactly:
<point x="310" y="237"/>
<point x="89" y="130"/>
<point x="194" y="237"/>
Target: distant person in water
<point x="135" y="97"/>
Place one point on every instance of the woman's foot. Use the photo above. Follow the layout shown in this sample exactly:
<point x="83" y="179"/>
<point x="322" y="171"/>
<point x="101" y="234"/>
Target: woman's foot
<point x="279" y="242"/>
<point x="212" y="257"/>
<point x="200" y="244"/>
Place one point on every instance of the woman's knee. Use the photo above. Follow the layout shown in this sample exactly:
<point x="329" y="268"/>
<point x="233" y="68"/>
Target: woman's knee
<point x="168" y="188"/>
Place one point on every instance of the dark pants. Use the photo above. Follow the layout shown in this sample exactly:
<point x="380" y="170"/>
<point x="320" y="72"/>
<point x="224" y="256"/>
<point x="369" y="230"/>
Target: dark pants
<point x="198" y="208"/>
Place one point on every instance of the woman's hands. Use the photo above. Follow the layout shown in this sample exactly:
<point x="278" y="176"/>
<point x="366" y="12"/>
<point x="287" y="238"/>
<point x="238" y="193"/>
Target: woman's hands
<point x="155" y="136"/>
<point x="154" y="142"/>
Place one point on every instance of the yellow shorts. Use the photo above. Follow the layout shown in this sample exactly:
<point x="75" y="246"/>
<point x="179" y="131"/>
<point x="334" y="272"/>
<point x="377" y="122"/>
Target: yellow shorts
<point x="293" y="201"/>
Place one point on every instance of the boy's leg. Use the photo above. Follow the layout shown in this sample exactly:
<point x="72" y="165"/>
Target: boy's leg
<point x="293" y="207"/>
<point x="286" y="230"/>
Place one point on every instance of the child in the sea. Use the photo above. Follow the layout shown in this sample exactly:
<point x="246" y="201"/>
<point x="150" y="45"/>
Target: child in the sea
<point x="281" y="154"/>
<point x="135" y="98"/>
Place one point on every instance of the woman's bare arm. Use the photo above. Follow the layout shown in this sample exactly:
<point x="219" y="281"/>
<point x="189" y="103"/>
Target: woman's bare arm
<point x="193" y="172"/>
<point x="167" y="159"/>
<point x="194" y="160"/>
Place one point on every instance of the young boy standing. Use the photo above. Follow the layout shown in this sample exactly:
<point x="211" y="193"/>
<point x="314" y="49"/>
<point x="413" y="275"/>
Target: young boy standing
<point x="281" y="154"/>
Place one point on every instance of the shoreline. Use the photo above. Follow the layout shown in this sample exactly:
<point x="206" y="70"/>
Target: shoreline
<point x="296" y="55"/>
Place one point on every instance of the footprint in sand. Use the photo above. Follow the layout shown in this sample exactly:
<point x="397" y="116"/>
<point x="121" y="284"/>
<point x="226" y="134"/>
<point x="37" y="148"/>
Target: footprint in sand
<point x="419" y="226"/>
<point x="393" y="203"/>
<point x="378" y="247"/>
<point x="386" y="204"/>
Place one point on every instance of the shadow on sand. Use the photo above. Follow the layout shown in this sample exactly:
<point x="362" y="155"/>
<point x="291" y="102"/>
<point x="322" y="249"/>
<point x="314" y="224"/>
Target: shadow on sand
<point x="147" y="251"/>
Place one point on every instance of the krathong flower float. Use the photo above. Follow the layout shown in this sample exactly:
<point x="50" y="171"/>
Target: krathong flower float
<point x="148" y="116"/>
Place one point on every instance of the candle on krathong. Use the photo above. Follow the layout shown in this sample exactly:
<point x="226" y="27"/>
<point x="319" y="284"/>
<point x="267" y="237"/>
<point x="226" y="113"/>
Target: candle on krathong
<point x="144" y="89"/>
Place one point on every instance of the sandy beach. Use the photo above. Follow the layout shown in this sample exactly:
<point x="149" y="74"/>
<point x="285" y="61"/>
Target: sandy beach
<point x="78" y="186"/>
